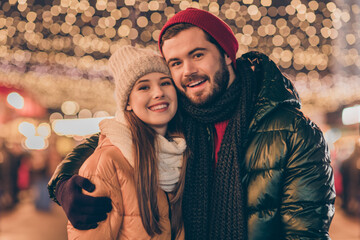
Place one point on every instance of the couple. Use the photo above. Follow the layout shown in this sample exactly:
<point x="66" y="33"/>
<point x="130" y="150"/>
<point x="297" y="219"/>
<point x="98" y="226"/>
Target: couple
<point x="253" y="166"/>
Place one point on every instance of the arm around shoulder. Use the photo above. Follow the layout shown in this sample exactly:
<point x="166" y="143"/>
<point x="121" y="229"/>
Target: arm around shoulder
<point x="100" y="170"/>
<point x="72" y="163"/>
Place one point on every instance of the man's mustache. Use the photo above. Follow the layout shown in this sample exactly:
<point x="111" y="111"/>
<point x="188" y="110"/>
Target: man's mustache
<point x="193" y="77"/>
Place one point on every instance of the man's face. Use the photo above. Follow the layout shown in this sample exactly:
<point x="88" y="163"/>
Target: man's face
<point x="198" y="69"/>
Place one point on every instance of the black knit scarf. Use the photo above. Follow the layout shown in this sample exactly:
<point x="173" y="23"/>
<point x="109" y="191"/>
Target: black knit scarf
<point x="214" y="198"/>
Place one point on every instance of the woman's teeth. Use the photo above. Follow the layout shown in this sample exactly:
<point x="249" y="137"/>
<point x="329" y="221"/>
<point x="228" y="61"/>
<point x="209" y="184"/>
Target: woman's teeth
<point x="158" y="107"/>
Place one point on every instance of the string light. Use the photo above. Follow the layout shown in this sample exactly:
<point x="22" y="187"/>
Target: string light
<point x="59" y="50"/>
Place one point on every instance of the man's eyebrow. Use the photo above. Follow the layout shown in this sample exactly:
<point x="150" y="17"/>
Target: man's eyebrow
<point x="191" y="52"/>
<point x="196" y="49"/>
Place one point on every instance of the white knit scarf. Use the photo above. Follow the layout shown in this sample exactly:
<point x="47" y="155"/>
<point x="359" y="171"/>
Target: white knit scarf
<point x="170" y="153"/>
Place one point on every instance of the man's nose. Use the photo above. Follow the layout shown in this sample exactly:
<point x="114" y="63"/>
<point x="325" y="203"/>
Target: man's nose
<point x="189" y="68"/>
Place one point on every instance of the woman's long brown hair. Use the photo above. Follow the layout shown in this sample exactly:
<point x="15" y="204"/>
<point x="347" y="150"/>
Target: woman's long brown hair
<point x="146" y="174"/>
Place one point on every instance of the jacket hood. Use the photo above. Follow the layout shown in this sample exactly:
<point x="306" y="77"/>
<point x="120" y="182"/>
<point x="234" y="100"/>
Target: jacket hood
<point x="275" y="88"/>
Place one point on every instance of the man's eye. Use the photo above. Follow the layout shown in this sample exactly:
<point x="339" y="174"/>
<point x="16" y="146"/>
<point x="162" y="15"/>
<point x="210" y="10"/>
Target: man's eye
<point x="198" y="55"/>
<point x="174" y="64"/>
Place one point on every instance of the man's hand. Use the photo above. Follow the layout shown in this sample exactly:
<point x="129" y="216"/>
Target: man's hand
<point x="83" y="211"/>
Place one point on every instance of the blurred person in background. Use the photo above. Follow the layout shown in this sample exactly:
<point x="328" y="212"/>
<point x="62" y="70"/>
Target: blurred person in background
<point x="350" y="171"/>
<point x="258" y="169"/>
<point x="7" y="185"/>
<point x="15" y="173"/>
<point x="40" y="160"/>
<point x="138" y="163"/>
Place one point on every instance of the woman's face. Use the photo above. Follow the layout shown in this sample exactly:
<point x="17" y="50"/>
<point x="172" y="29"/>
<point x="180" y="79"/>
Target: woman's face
<point x="153" y="99"/>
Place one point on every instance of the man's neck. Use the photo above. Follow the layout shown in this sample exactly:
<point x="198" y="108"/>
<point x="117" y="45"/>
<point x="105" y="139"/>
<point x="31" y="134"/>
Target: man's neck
<point x="232" y="75"/>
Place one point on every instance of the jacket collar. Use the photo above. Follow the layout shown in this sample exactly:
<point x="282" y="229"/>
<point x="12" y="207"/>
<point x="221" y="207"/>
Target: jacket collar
<point x="275" y="89"/>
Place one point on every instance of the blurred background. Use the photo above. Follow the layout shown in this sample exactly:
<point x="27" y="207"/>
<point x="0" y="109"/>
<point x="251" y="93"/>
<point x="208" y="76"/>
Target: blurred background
<point x="55" y="86"/>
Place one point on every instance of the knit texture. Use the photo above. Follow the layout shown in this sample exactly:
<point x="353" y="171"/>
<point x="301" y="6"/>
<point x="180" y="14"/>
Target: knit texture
<point x="211" y="24"/>
<point x="170" y="153"/>
<point x="127" y="65"/>
<point x="214" y="200"/>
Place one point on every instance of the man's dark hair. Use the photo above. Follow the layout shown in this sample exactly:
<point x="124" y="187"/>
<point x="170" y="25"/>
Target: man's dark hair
<point x="175" y="29"/>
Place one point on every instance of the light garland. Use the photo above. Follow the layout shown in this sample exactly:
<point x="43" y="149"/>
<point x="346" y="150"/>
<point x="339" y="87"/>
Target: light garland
<point x="59" y="51"/>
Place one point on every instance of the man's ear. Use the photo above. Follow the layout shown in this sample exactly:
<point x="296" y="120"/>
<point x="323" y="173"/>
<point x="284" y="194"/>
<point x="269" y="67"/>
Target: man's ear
<point x="128" y="107"/>
<point x="227" y="59"/>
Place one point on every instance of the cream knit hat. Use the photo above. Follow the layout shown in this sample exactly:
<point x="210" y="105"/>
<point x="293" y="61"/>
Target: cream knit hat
<point x="127" y="65"/>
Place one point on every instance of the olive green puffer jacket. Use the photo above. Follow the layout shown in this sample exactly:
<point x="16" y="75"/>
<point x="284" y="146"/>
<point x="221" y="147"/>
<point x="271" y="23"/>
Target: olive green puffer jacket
<point x="290" y="187"/>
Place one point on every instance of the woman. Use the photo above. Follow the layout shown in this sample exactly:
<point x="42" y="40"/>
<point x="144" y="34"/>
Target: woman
<point x="139" y="162"/>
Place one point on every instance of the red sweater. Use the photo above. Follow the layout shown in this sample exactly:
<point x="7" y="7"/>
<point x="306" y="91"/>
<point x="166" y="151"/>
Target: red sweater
<point x="220" y="131"/>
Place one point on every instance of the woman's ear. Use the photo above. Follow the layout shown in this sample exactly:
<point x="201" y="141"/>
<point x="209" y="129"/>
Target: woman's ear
<point x="128" y="107"/>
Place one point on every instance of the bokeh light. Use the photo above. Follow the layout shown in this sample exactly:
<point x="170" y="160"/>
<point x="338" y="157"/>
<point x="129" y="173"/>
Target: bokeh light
<point x="60" y="50"/>
<point x="15" y="100"/>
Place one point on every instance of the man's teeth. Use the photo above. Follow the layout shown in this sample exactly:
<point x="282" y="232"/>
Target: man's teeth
<point x="195" y="83"/>
<point x="158" y="107"/>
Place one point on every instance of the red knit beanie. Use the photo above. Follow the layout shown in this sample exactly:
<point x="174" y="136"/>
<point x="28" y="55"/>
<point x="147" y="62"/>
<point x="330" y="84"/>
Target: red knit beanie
<point x="211" y="24"/>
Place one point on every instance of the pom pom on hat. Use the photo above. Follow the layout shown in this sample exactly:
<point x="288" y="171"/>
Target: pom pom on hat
<point x="211" y="24"/>
<point x="128" y="64"/>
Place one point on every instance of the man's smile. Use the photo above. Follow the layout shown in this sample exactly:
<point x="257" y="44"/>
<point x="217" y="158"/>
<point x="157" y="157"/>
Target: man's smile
<point x="195" y="83"/>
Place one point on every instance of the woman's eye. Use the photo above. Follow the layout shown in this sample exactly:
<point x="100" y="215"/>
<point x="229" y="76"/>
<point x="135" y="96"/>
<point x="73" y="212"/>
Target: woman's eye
<point x="144" y="88"/>
<point x="166" y="83"/>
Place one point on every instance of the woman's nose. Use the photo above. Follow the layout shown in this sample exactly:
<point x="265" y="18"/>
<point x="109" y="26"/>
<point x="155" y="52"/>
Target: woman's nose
<point x="158" y="92"/>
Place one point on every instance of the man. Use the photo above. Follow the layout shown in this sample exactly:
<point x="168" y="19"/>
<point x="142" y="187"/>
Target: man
<point x="259" y="169"/>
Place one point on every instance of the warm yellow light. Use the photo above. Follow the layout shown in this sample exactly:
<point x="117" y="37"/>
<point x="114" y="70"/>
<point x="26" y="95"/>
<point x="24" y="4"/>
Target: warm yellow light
<point x="248" y="1"/>
<point x="123" y="31"/>
<point x="266" y="3"/>
<point x="230" y="13"/>
<point x="350" y="38"/>
<point x="70" y="107"/>
<point x="213" y="7"/>
<point x="253" y="10"/>
<point x="85" y="113"/>
<point x="153" y="5"/>
<point x="101" y="114"/>
<point x="65" y="33"/>
<point x="142" y="22"/>
<point x="129" y="2"/>
<point x="55" y="116"/>
<point x="331" y="6"/>
<point x="44" y="130"/>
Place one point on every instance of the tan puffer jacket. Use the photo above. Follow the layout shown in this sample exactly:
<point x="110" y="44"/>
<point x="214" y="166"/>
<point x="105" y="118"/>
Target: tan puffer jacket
<point x="112" y="175"/>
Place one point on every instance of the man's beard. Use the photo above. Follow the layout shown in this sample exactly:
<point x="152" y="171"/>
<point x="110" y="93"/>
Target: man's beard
<point x="221" y="81"/>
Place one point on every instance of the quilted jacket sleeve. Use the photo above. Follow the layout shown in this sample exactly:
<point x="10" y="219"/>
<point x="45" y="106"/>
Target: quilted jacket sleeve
<point x="308" y="199"/>
<point x="99" y="168"/>
<point x="72" y="163"/>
